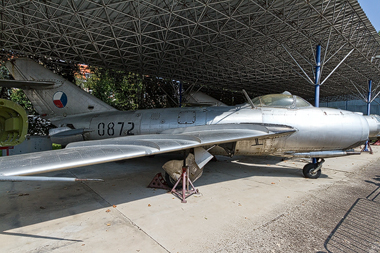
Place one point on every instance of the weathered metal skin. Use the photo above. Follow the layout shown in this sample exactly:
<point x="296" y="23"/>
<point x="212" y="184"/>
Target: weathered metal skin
<point x="317" y="128"/>
<point x="276" y="124"/>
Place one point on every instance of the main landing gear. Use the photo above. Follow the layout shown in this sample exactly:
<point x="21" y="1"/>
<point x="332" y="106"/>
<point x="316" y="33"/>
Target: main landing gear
<point x="313" y="170"/>
<point x="169" y="180"/>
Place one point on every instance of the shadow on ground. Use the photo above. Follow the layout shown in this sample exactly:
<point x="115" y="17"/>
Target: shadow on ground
<point x="27" y="203"/>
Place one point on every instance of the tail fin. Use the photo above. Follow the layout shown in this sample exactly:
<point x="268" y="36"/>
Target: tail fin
<point x="61" y="99"/>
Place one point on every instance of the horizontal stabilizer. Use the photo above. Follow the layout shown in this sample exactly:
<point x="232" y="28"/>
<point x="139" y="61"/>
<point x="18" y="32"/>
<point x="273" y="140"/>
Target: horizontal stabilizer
<point x="68" y="133"/>
<point x="26" y="84"/>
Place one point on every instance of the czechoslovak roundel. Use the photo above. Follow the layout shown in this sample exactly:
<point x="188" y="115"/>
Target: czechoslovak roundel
<point x="60" y="99"/>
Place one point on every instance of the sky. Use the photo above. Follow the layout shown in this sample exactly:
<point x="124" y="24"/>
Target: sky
<point x="372" y="9"/>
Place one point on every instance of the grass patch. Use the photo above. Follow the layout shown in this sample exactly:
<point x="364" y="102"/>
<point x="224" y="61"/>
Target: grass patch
<point x="56" y="146"/>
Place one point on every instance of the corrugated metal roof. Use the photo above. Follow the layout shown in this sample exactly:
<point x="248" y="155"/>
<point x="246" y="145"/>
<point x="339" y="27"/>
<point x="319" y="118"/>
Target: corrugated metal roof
<point x="221" y="44"/>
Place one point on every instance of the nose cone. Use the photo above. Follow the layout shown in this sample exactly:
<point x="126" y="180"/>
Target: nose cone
<point x="374" y="125"/>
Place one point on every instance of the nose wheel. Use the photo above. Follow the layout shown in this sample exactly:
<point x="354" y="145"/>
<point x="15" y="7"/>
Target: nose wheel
<point x="313" y="170"/>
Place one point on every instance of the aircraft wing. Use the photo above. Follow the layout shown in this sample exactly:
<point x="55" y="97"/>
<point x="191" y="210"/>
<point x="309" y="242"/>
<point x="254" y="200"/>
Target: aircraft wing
<point x="100" y="151"/>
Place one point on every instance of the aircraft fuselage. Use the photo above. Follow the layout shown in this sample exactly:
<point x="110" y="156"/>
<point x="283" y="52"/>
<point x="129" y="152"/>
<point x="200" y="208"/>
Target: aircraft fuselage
<point x="317" y="129"/>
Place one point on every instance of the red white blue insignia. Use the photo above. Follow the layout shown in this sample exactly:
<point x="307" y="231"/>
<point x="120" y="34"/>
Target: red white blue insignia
<point x="60" y="99"/>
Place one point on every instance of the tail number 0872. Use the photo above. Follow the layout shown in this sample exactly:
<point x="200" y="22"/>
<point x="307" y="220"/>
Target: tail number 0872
<point x="111" y="128"/>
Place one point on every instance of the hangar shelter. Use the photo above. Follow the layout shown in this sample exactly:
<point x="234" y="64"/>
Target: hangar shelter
<point x="263" y="46"/>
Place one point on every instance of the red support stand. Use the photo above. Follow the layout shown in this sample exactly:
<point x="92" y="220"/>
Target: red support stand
<point x="186" y="183"/>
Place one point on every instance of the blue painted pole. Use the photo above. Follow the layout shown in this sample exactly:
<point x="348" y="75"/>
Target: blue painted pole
<point x="368" y="109"/>
<point x="317" y="75"/>
<point x="317" y="82"/>
<point x="369" y="97"/>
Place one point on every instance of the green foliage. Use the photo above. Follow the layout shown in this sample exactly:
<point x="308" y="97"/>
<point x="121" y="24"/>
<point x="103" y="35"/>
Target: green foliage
<point x="101" y="86"/>
<point x="4" y="73"/>
<point x="128" y="91"/>
<point x="56" y="146"/>
<point x="18" y="96"/>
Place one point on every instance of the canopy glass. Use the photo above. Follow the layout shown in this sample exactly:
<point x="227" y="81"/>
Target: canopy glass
<point x="280" y="101"/>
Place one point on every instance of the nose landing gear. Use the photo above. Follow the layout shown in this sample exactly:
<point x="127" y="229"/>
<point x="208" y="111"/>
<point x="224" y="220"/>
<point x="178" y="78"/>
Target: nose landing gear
<point x="313" y="170"/>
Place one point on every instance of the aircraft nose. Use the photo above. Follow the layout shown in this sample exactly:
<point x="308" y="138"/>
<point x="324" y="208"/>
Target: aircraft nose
<point x="374" y="125"/>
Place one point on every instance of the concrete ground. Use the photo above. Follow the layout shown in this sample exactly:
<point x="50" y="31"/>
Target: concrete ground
<point x="246" y="204"/>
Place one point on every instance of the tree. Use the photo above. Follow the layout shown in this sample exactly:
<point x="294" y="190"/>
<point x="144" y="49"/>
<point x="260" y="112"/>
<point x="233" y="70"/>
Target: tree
<point x="4" y="73"/>
<point x="129" y="91"/>
<point x="18" y="96"/>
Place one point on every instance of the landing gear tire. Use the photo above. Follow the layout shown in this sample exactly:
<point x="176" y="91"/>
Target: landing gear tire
<point x="308" y="171"/>
<point x="171" y="182"/>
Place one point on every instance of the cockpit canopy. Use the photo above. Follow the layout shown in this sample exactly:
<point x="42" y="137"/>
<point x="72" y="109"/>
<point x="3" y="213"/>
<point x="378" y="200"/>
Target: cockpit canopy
<point x="280" y="101"/>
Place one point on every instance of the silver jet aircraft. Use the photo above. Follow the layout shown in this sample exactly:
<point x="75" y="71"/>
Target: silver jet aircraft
<point x="279" y="125"/>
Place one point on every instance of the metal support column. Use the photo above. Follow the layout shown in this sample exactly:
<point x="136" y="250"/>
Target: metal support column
<point x="317" y="82"/>
<point x="317" y="75"/>
<point x="365" y="149"/>
<point x="369" y="97"/>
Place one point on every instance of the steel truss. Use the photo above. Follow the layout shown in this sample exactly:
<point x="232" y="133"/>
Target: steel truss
<point x="225" y="45"/>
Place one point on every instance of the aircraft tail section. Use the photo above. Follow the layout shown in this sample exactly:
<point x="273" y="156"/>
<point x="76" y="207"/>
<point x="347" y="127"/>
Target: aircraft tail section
<point x="52" y="96"/>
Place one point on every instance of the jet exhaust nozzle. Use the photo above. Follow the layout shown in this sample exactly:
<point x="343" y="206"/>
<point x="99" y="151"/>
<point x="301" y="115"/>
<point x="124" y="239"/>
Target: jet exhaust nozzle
<point x="374" y="125"/>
